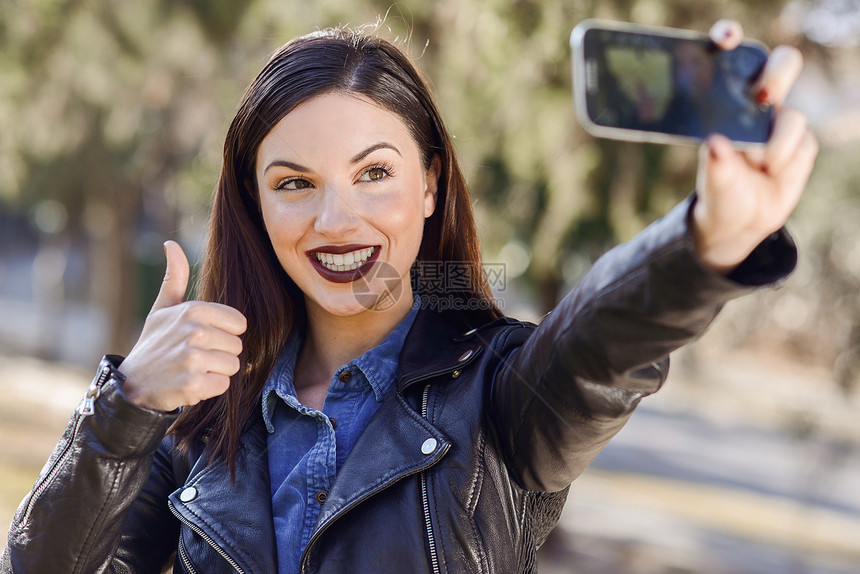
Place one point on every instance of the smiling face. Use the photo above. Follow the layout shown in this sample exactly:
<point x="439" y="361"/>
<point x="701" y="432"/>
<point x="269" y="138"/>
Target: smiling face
<point x="694" y="69"/>
<point x="343" y="194"/>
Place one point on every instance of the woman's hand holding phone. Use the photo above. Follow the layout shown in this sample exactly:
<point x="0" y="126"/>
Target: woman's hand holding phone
<point x="744" y="196"/>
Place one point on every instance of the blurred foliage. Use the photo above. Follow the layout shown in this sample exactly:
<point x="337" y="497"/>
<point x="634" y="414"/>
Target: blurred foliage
<point x="117" y="110"/>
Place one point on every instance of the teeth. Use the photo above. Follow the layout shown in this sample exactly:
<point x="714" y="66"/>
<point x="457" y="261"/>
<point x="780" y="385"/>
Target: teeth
<point x="345" y="261"/>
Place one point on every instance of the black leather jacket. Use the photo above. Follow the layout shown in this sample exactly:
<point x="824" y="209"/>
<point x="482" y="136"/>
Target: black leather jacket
<point x="464" y="468"/>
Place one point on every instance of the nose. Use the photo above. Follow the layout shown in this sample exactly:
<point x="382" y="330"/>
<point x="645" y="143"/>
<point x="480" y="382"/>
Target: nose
<point x="336" y="217"/>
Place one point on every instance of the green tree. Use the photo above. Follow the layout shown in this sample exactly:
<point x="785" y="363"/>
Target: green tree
<point x="118" y="110"/>
<point x="502" y="70"/>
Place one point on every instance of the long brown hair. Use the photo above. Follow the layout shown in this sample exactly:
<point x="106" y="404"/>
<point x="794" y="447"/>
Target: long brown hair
<point x="240" y="268"/>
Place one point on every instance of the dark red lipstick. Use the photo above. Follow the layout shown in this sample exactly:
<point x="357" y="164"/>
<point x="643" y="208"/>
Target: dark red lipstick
<point x="345" y="276"/>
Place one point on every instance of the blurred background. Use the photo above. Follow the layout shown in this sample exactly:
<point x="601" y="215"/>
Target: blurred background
<point x="112" y="115"/>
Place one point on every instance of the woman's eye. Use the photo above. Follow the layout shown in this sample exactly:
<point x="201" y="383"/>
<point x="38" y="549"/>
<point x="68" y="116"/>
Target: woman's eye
<point x="294" y="183"/>
<point x="375" y="173"/>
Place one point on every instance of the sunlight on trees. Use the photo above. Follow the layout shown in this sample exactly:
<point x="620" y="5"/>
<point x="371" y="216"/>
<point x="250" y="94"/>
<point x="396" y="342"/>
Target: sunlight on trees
<point x="116" y="112"/>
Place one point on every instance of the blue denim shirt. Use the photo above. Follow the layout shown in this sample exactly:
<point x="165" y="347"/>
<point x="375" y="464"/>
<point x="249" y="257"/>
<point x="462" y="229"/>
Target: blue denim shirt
<point x="306" y="447"/>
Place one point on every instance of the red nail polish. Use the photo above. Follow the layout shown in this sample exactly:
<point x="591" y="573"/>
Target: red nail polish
<point x="762" y="96"/>
<point x="712" y="152"/>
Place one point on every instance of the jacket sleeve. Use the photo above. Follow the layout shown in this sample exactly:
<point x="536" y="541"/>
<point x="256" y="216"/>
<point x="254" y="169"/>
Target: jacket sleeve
<point x="565" y="389"/>
<point x="99" y="473"/>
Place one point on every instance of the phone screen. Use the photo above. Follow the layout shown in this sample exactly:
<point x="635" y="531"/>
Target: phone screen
<point x="672" y="85"/>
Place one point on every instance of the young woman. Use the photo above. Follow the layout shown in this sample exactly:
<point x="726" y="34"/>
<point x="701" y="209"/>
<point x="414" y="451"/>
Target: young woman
<point x="322" y="413"/>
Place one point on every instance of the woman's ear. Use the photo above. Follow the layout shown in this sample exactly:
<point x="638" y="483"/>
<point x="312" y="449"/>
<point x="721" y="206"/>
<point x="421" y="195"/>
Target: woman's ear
<point x="431" y="186"/>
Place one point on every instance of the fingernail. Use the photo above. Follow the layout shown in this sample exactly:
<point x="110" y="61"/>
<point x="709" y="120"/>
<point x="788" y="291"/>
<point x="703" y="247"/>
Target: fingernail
<point x="712" y="151"/>
<point x="762" y="96"/>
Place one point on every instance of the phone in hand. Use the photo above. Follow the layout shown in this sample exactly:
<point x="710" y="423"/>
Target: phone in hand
<point x="663" y="85"/>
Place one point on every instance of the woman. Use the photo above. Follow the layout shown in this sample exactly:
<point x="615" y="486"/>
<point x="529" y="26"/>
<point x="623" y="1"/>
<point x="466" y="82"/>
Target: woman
<point x="332" y="418"/>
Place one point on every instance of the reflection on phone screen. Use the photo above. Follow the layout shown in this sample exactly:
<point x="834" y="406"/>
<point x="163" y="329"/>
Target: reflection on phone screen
<point x="678" y="86"/>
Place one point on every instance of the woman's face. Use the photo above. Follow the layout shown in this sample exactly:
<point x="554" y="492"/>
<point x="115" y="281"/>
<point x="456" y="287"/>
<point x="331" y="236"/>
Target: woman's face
<point x="344" y="194"/>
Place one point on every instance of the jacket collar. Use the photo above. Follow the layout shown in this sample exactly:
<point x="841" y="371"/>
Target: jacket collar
<point x="435" y="347"/>
<point x="395" y="444"/>
<point x="396" y="438"/>
<point x="393" y="440"/>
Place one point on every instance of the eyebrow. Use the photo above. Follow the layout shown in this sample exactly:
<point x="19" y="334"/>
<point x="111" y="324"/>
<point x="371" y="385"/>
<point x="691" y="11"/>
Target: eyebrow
<point x="355" y="159"/>
<point x="285" y="163"/>
<point x="381" y="145"/>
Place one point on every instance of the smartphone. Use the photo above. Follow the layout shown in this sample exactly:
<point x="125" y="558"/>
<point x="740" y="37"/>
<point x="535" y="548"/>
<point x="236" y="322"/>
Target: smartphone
<point x="663" y="85"/>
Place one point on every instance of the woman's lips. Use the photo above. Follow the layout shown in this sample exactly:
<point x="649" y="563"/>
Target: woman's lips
<point x="343" y="263"/>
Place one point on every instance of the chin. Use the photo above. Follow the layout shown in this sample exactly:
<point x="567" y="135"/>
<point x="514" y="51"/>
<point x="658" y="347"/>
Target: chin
<point x="357" y="303"/>
<point x="346" y="307"/>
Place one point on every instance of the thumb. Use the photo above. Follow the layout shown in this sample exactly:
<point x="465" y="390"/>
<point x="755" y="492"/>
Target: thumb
<point x="176" y="276"/>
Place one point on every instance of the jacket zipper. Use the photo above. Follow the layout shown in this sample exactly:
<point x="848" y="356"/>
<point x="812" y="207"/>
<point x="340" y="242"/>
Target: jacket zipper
<point x="425" y="498"/>
<point x="85" y="409"/>
<point x="205" y="537"/>
<point x="303" y="566"/>
<point x="49" y="476"/>
<point x="186" y="562"/>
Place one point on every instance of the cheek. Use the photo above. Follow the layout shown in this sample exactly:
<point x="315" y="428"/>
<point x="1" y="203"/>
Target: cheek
<point x="282" y="224"/>
<point x="401" y="214"/>
<point x="408" y="204"/>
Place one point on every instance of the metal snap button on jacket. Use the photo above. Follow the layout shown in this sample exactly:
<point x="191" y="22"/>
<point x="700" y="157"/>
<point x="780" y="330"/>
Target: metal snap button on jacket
<point x="429" y="446"/>
<point x="188" y="494"/>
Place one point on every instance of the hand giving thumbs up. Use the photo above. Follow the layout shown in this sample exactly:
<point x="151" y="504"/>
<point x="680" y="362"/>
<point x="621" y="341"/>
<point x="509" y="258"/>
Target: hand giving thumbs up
<point x="188" y="350"/>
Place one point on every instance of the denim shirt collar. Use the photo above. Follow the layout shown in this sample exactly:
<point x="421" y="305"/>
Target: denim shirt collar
<point x="378" y="365"/>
